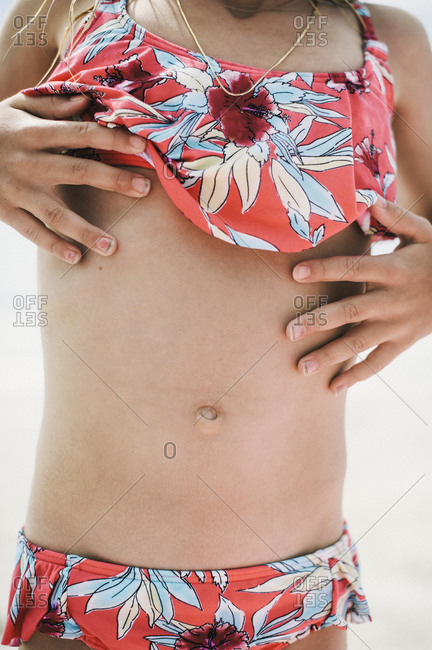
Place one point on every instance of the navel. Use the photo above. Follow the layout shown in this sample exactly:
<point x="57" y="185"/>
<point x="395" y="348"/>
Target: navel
<point x="207" y="413"/>
<point x="207" y="419"/>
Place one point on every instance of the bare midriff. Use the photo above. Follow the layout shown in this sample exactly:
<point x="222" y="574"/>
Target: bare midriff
<point x="178" y="432"/>
<point x="177" y="429"/>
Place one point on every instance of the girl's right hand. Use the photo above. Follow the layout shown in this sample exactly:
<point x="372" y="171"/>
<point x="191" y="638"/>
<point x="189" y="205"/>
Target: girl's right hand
<point x="33" y="130"/>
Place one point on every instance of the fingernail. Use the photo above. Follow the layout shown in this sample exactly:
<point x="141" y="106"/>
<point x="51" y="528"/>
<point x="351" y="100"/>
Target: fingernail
<point x="105" y="244"/>
<point x="301" y="272"/>
<point x="297" y="331"/>
<point x="72" y="257"/>
<point x="75" y="98"/>
<point x="381" y="201"/>
<point x="137" y="143"/>
<point x="339" y="389"/>
<point x="140" y="184"/>
<point x="310" y="366"/>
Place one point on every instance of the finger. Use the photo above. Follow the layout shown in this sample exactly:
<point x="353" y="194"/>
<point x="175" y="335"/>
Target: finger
<point x="57" y="216"/>
<point x="345" y="268"/>
<point x="401" y="222"/>
<point x="82" y="171"/>
<point x="352" y="309"/>
<point x="81" y="135"/>
<point x="356" y="340"/>
<point x="50" y="106"/>
<point x="372" y="365"/>
<point x="35" y="231"/>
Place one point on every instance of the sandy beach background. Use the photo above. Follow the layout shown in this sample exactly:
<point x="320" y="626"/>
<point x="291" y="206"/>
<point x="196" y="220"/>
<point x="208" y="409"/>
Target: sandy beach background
<point x="388" y="486"/>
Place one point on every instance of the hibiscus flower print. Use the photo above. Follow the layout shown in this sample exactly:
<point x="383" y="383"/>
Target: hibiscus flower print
<point x="128" y="75"/>
<point x="244" y="119"/>
<point x="368" y="154"/>
<point x="53" y="623"/>
<point x="222" y="636"/>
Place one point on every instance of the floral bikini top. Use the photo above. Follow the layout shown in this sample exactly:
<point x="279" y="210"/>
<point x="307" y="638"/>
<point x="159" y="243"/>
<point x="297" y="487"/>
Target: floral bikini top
<point x="281" y="168"/>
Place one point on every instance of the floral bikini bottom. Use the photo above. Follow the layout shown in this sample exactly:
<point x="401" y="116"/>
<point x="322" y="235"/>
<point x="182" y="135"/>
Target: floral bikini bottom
<point x="109" y="606"/>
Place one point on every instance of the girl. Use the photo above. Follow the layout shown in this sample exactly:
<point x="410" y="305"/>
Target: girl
<point x="191" y="460"/>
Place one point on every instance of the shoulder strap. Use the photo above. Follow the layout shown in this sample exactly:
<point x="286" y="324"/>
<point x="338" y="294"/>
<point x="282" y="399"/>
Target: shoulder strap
<point x="363" y="13"/>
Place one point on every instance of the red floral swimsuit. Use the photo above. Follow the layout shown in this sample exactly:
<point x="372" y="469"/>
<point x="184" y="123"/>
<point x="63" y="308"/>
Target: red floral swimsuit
<point x="281" y="168"/>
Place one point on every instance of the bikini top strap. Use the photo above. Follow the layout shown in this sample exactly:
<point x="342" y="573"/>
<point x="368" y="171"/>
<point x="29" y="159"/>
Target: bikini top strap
<point x="111" y="7"/>
<point x="368" y="28"/>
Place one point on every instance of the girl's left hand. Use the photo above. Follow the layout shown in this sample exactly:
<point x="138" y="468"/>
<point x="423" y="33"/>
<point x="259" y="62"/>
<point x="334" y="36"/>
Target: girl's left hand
<point x="395" y="311"/>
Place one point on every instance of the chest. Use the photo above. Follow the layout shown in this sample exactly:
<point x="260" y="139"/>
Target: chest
<point x="332" y="41"/>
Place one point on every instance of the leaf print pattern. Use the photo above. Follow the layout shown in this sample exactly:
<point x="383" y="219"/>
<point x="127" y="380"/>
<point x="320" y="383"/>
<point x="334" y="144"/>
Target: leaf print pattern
<point x="280" y="168"/>
<point x="117" y="606"/>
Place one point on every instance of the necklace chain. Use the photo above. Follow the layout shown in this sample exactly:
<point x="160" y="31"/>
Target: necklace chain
<point x="301" y="36"/>
<point x="272" y="10"/>
<point x="283" y="2"/>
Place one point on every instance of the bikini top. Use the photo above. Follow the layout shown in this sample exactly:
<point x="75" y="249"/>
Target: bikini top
<point x="282" y="168"/>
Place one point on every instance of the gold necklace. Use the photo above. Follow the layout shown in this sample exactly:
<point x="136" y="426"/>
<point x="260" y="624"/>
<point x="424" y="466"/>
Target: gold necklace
<point x="310" y="20"/>
<point x="274" y="9"/>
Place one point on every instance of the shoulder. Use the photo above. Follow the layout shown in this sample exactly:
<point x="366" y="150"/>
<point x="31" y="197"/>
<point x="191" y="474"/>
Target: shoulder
<point x="28" y="42"/>
<point x="396" y="26"/>
<point x="407" y="41"/>
<point x="51" y="18"/>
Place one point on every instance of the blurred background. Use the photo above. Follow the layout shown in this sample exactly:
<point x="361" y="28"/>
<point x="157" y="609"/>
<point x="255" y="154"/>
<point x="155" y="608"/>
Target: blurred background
<point x="388" y="485"/>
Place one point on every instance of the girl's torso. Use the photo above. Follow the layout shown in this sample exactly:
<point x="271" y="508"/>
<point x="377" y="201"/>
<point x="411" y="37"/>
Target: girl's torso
<point x="174" y="321"/>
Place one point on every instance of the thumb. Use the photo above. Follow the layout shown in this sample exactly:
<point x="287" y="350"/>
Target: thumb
<point x="400" y="221"/>
<point x="50" y="106"/>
